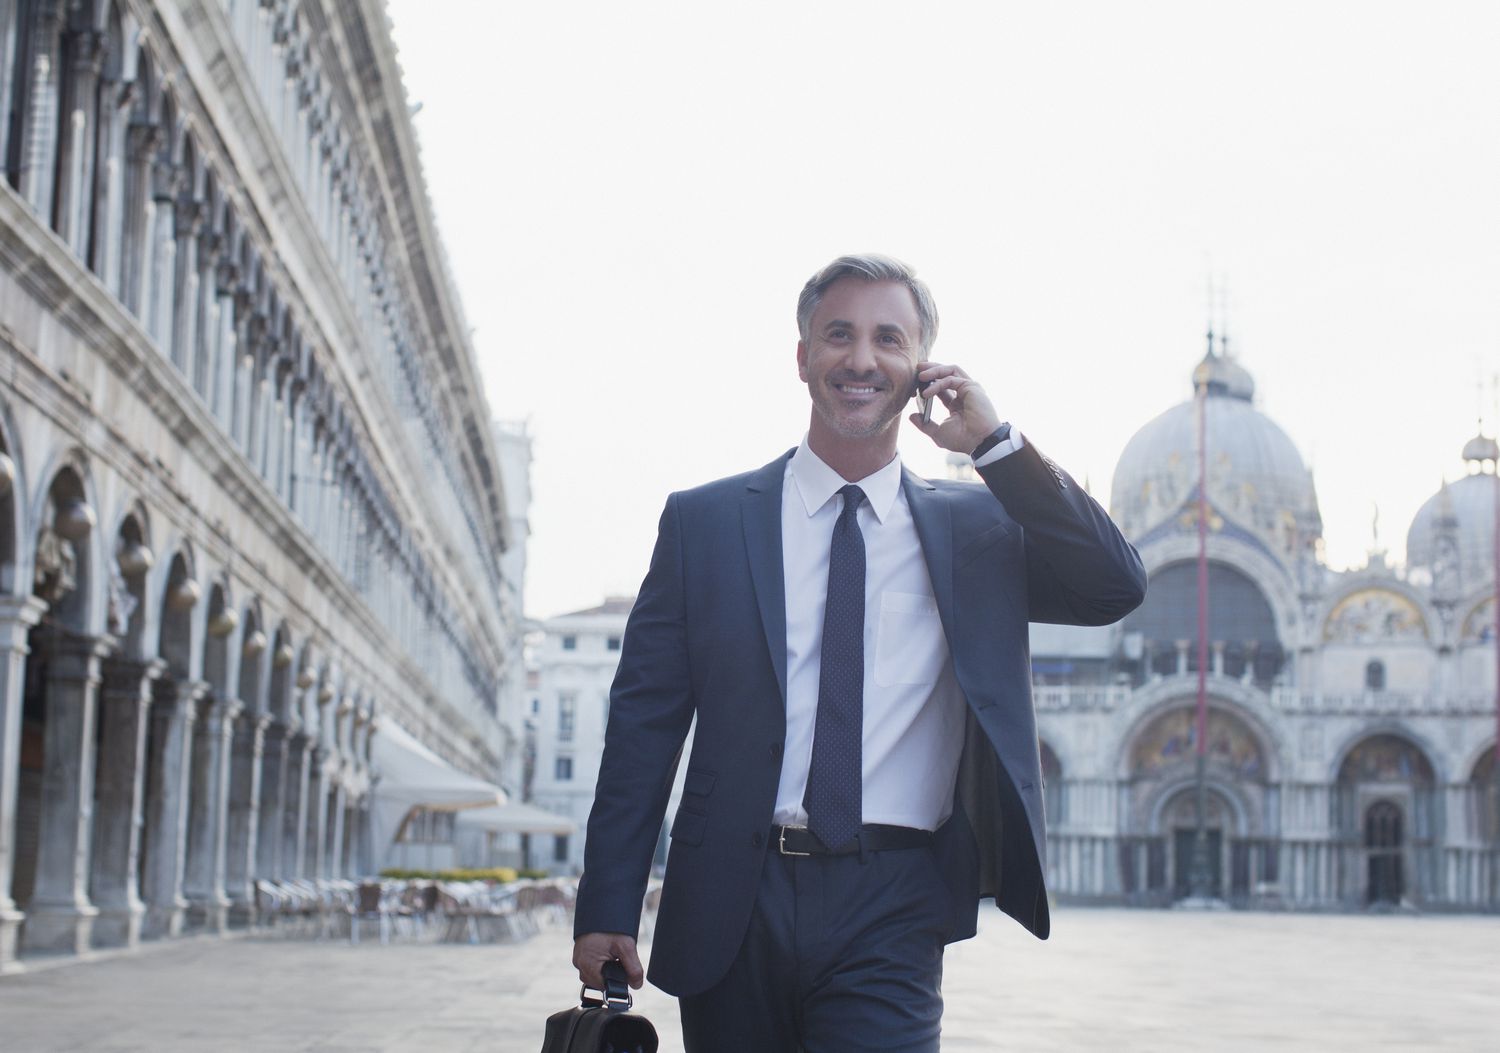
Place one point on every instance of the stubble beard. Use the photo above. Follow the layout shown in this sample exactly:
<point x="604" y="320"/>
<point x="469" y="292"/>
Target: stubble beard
<point x="850" y="426"/>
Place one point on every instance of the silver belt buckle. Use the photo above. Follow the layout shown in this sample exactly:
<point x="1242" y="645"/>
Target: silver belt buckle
<point x="781" y="841"/>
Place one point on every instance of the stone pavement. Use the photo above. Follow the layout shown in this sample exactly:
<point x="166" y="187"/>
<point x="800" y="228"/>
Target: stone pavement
<point x="1107" y="980"/>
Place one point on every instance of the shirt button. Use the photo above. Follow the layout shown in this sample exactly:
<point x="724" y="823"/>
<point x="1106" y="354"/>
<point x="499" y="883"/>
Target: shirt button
<point x="757" y="839"/>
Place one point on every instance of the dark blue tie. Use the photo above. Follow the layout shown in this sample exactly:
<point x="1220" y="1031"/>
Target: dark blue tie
<point x="835" y="779"/>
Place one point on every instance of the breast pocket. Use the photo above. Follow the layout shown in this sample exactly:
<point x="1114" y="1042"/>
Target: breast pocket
<point x="909" y="643"/>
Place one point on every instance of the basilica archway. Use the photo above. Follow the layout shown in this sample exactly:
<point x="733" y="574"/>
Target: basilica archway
<point x="1386" y="814"/>
<point x="1161" y="773"/>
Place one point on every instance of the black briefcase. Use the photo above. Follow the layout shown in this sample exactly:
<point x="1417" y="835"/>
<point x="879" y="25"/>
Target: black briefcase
<point x="601" y="1025"/>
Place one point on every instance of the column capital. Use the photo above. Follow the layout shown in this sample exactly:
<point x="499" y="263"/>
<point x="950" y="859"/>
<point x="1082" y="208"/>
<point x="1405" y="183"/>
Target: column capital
<point x="18" y="616"/>
<point x="120" y="667"/>
<point x="131" y="679"/>
<point x="180" y="697"/>
<point x="76" y="656"/>
<point x="225" y="709"/>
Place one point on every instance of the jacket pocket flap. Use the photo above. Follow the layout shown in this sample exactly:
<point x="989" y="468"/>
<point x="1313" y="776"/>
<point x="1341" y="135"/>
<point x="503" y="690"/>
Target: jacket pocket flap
<point x="698" y="782"/>
<point x="687" y="827"/>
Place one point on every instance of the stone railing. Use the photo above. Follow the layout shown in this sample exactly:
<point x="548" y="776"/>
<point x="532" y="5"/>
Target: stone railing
<point x="1078" y="698"/>
<point x="1291" y="700"/>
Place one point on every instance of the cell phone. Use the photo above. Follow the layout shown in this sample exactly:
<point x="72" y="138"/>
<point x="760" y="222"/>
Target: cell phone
<point x="924" y="402"/>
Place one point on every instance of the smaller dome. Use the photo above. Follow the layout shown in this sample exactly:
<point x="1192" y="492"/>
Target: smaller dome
<point x="1461" y="515"/>
<point x="1481" y="448"/>
<point x="1224" y="376"/>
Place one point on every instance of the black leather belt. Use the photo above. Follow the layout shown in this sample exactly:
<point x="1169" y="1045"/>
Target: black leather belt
<point x="872" y="837"/>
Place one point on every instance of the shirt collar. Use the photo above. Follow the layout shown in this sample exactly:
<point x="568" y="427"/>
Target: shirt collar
<point x="817" y="483"/>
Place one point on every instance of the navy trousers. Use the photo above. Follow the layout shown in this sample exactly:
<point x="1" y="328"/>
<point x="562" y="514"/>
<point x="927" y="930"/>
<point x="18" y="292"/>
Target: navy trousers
<point x="843" y="953"/>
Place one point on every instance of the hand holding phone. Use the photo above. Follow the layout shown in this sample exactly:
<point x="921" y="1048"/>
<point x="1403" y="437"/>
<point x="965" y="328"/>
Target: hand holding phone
<point x="924" y="402"/>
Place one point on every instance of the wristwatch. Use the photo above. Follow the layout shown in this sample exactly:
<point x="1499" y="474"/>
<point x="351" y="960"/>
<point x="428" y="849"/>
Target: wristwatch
<point x="995" y="438"/>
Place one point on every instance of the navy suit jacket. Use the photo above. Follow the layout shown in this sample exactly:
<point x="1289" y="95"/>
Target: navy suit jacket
<point x="707" y="637"/>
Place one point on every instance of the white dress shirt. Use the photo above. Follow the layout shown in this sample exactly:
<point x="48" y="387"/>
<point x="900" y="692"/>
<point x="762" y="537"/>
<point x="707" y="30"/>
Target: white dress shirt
<point x="913" y="709"/>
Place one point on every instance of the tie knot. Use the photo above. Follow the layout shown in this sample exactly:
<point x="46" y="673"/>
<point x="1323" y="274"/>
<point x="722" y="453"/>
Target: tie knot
<point x="852" y="495"/>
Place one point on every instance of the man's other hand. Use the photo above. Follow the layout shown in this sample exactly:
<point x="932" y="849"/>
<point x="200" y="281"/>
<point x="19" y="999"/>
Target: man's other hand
<point x="593" y="949"/>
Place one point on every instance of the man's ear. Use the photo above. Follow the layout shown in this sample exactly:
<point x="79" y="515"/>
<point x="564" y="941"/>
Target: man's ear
<point x="802" y="361"/>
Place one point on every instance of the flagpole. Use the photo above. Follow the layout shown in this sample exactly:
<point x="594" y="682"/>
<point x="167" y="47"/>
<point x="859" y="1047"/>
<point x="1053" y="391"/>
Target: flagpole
<point x="1199" y="877"/>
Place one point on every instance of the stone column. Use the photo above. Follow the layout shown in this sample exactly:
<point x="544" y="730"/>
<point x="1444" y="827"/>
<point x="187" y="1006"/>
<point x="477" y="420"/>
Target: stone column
<point x="75" y="162"/>
<point x="137" y="245"/>
<point x="317" y="814"/>
<point x="125" y="711"/>
<point x="17" y="617"/>
<point x="157" y="312"/>
<point x="336" y="835"/>
<point x="60" y="916"/>
<point x="249" y="736"/>
<point x="364" y="855"/>
<point x="187" y="226"/>
<point x="38" y="156"/>
<point x="269" y="838"/>
<point x="294" y="833"/>
<point x="168" y="797"/>
<point x="109" y="182"/>
<point x="208" y="905"/>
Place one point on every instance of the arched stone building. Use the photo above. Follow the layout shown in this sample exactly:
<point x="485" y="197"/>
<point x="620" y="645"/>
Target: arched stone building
<point x="250" y="502"/>
<point x="1351" y="723"/>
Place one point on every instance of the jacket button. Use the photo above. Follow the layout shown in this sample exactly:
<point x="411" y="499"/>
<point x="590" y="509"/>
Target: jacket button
<point x="757" y="839"/>
<point x="775" y="751"/>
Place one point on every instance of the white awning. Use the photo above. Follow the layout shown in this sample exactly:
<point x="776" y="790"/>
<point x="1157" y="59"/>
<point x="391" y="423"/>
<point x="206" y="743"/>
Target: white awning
<point x="517" y="818"/>
<point x="412" y="776"/>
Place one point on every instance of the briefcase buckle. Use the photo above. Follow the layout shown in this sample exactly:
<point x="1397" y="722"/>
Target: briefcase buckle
<point x="781" y="842"/>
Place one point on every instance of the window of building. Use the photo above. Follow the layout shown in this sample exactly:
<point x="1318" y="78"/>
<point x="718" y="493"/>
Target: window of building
<point x="560" y="848"/>
<point x="613" y="643"/>
<point x="567" y="716"/>
<point x="1375" y="676"/>
<point x="536" y="705"/>
<point x="563" y="769"/>
<point x="570" y="643"/>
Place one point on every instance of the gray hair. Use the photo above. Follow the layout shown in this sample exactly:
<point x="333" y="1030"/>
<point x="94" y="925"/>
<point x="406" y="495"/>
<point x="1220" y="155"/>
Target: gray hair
<point x="869" y="267"/>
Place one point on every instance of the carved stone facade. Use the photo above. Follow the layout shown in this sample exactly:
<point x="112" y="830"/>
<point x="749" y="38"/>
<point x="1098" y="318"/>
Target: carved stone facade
<point x="249" y="493"/>
<point x="1352" y="715"/>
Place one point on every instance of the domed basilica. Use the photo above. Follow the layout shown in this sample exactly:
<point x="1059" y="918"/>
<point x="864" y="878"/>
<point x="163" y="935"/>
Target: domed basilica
<point x="1351" y="714"/>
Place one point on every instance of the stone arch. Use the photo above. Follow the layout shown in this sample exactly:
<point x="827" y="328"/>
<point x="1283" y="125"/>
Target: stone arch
<point x="180" y="595"/>
<point x="1241" y="616"/>
<point x="129" y="615"/>
<point x="1220" y="708"/>
<point x="307" y="676"/>
<point x="1375" y="612"/>
<point x="14" y="580"/>
<point x="1387" y="805"/>
<point x="1392" y="729"/>
<point x="281" y="696"/>
<point x="253" y="658"/>
<point x="65" y="559"/>
<point x="1478" y="626"/>
<point x="223" y="620"/>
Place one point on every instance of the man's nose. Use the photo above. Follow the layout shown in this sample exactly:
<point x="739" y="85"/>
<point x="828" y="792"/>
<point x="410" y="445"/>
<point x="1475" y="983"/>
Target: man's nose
<point x="862" y="355"/>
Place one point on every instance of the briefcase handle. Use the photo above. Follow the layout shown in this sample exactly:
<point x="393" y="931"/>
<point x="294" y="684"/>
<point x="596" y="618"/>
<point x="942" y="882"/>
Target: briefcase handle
<point x="616" y="989"/>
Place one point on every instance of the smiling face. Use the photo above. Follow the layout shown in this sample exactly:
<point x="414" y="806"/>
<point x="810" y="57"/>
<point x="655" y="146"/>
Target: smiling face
<point x="859" y="360"/>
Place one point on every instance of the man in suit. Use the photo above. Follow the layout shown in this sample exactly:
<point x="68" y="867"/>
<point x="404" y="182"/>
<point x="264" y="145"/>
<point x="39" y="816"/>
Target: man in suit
<point x="853" y="643"/>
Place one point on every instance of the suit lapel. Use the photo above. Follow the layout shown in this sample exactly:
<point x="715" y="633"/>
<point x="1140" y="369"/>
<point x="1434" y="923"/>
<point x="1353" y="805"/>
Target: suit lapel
<point x="760" y="513"/>
<point x="933" y="519"/>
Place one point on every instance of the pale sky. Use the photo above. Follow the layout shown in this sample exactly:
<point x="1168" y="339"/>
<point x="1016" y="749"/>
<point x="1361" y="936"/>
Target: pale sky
<point x="633" y="194"/>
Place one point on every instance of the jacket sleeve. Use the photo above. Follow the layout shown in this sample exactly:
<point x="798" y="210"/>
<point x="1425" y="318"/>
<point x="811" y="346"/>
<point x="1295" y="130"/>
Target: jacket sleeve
<point x="1080" y="570"/>
<point x="650" y="710"/>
